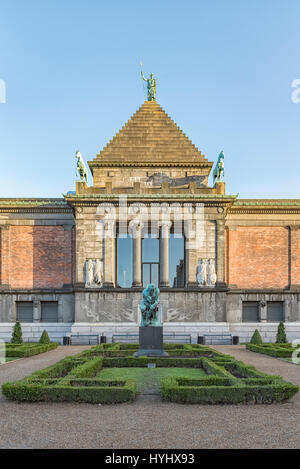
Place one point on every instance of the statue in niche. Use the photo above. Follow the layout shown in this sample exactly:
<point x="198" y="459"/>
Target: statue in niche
<point x="98" y="272"/>
<point x="212" y="276"/>
<point x="93" y="272"/>
<point x="202" y="272"/>
<point x="149" y="306"/>
<point x="89" y="272"/>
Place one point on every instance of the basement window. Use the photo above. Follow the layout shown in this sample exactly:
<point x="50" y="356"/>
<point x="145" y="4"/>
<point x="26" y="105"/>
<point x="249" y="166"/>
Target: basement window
<point x="275" y="311"/>
<point x="49" y="311"/>
<point x="24" y="311"/>
<point x="250" y="311"/>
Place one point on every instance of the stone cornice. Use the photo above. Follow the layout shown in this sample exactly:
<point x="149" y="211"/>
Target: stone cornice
<point x="30" y="205"/>
<point x="265" y="206"/>
<point x="146" y="164"/>
<point x="208" y="199"/>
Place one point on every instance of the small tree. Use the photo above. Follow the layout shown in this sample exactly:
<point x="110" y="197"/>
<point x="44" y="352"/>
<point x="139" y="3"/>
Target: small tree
<point x="17" y="334"/>
<point x="281" y="335"/>
<point x="256" y="338"/>
<point x="44" y="338"/>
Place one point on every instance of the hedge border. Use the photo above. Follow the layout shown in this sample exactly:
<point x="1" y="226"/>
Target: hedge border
<point x="273" y="350"/>
<point x="25" y="351"/>
<point x="74" y="378"/>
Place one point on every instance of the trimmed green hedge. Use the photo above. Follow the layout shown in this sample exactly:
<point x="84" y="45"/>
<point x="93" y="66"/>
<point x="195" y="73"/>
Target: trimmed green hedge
<point x="75" y="378"/>
<point x="192" y="392"/>
<point x="273" y="350"/>
<point x="103" y="392"/>
<point x="28" y="350"/>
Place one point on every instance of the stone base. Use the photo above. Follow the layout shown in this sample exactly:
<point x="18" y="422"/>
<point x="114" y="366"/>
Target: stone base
<point x="151" y="342"/>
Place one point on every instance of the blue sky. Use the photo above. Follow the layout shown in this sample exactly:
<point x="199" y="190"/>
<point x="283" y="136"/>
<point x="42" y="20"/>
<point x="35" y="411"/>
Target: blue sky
<point x="224" y="70"/>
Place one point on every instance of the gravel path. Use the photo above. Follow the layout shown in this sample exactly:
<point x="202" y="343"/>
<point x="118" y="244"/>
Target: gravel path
<point x="15" y="370"/>
<point x="150" y="423"/>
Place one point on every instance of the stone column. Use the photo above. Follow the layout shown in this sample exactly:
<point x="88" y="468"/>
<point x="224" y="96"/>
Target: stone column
<point x="109" y="262"/>
<point x="136" y="232"/>
<point x="220" y="258"/>
<point x="164" y="253"/>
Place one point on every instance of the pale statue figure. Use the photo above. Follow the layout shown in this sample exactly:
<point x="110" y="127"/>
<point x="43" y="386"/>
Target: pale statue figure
<point x="93" y="272"/>
<point x="202" y="272"/>
<point x="219" y="168"/>
<point x="212" y="276"/>
<point x="81" y="169"/>
<point x="98" y="272"/>
<point x="151" y="85"/>
<point x="89" y="272"/>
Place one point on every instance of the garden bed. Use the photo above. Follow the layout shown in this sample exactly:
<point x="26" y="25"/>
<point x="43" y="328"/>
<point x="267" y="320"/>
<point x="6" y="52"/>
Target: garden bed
<point x="111" y="374"/>
<point x="28" y="349"/>
<point x="273" y="350"/>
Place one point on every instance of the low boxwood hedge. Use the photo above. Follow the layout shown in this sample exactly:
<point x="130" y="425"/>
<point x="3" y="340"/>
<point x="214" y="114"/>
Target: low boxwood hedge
<point x="273" y="350"/>
<point x="28" y="350"/>
<point x="103" y="392"/>
<point x="192" y="392"/>
<point x="75" y="378"/>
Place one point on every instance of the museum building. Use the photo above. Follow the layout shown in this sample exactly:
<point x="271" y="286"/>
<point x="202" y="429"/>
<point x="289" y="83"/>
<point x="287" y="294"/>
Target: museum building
<point x="77" y="265"/>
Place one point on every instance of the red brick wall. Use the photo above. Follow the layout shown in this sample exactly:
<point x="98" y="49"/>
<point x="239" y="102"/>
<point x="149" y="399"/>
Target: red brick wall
<point x="295" y="256"/>
<point x="258" y="257"/>
<point x="36" y="256"/>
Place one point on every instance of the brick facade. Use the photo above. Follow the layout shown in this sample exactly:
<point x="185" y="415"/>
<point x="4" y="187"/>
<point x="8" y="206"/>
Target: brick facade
<point x="36" y="256"/>
<point x="259" y="257"/>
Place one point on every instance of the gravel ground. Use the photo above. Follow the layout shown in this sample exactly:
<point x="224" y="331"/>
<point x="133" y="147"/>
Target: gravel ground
<point x="148" y="422"/>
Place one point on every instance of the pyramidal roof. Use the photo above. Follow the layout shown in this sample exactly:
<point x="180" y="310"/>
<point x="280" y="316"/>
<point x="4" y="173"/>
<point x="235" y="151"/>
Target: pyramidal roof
<point x="150" y="135"/>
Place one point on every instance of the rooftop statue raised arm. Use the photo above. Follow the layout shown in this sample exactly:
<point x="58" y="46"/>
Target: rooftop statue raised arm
<point x="151" y="85"/>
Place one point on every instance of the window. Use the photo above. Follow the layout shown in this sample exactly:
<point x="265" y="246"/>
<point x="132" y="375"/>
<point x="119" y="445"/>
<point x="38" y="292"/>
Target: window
<point x="275" y="311"/>
<point x="124" y="256"/>
<point x="176" y="261"/>
<point x="250" y="311"/>
<point x="150" y="261"/>
<point x="49" y="311"/>
<point x="24" y="311"/>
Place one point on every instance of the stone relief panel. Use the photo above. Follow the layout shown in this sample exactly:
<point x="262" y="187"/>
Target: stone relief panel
<point x="157" y="178"/>
<point x="105" y="307"/>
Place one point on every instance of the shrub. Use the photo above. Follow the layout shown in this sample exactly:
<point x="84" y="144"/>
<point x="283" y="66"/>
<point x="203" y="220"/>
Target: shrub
<point x="256" y="338"/>
<point x="281" y="335"/>
<point x="273" y="350"/>
<point x="17" y="334"/>
<point x="44" y="338"/>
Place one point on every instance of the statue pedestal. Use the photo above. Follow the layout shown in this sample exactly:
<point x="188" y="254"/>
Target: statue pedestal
<point x="151" y="342"/>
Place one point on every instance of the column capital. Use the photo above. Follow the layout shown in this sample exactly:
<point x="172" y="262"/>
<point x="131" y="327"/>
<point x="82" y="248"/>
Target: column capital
<point x="165" y="223"/>
<point x="135" y="228"/>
